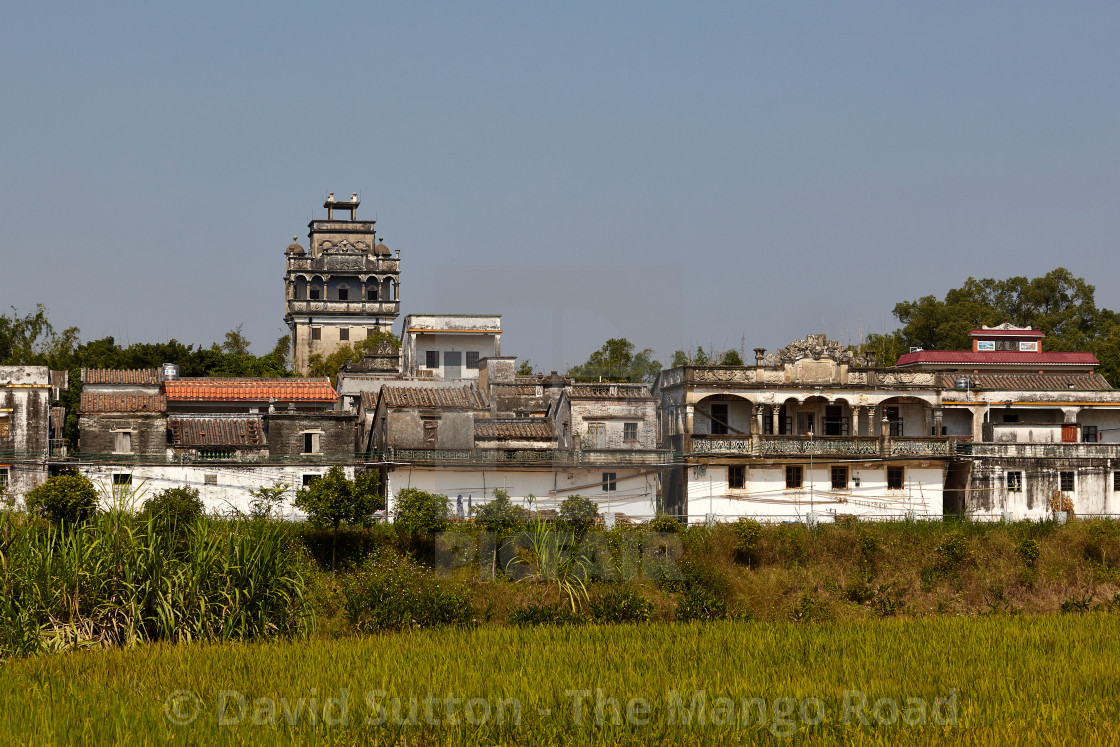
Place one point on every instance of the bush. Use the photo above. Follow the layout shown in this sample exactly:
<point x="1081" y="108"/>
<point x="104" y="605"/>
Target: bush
<point x="500" y="516"/>
<point x="1029" y="551"/>
<point x="419" y="515"/>
<point x="700" y="603"/>
<point x="63" y="499"/>
<point x="748" y="535"/>
<point x="578" y="513"/>
<point x="543" y="614"/>
<point x="173" y="510"/>
<point x="621" y="607"/>
<point x="395" y="594"/>
<point x="664" y="524"/>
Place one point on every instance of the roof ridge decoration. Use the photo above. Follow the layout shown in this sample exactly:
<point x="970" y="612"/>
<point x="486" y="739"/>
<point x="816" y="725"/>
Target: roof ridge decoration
<point x="816" y="347"/>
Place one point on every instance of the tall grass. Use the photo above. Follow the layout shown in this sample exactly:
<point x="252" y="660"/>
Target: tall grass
<point x="117" y="580"/>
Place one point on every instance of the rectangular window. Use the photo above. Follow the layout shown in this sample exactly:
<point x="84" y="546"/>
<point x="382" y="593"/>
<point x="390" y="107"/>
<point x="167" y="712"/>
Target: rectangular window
<point x="371" y="331"/>
<point x="316" y="333"/>
<point x="209" y="479"/>
<point x="5" y="426"/>
<point x="308" y="479"/>
<point x="310" y="443"/>
<point x="313" y="293"/>
<point x="736" y="477"/>
<point x="1089" y="434"/>
<point x="343" y="294"/>
<point x="472" y="359"/>
<point x="343" y="334"/>
<point x="896" y="478"/>
<point x="4" y="478"/>
<point x="629" y="431"/>
<point x="371" y="293"/>
<point x="1116" y="481"/>
<point x="839" y="478"/>
<point x="610" y="482"/>
<point x="122" y="442"/>
<point x="596" y="436"/>
<point x="719" y="419"/>
<point x="122" y="478"/>
<point x="431" y="431"/>
<point x="1015" y="482"/>
<point x="1065" y="482"/>
<point x="794" y="478"/>
<point x="431" y="359"/>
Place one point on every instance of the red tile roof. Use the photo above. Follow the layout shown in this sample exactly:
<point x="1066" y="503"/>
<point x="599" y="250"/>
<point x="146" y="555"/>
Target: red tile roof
<point x="250" y="390"/>
<point x="216" y="431"/>
<point x="463" y="397"/>
<point x="117" y="402"/>
<point x="135" y="377"/>
<point x="968" y="357"/>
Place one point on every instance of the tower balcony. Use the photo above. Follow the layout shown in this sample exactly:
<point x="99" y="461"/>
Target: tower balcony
<point x="344" y="308"/>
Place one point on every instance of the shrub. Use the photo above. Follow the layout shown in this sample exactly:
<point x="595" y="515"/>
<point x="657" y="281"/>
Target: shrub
<point x="543" y="614"/>
<point x="419" y="515"/>
<point x="578" y="513"/>
<point x="395" y="594"/>
<point x="173" y="510"/>
<point x="500" y="516"/>
<point x="63" y="499"/>
<point x="621" y="607"/>
<point x="748" y="534"/>
<point x="664" y="524"/>
<point x="1029" y="551"/>
<point x="700" y="603"/>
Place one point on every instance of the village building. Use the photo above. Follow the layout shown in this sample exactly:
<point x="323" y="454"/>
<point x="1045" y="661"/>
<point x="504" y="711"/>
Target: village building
<point x="31" y="426"/>
<point x="342" y="289"/>
<point x="448" y="347"/>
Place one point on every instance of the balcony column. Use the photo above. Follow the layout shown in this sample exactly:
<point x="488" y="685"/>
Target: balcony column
<point x="978" y="423"/>
<point x="758" y="418"/>
<point x="857" y="412"/>
<point x="938" y="420"/>
<point x="688" y="419"/>
<point x="776" y="415"/>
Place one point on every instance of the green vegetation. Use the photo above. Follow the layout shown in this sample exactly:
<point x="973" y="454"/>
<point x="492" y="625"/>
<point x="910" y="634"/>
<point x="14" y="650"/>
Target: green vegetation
<point x="63" y="499"/>
<point x="1013" y="680"/>
<point x="334" y="500"/>
<point x="618" y="361"/>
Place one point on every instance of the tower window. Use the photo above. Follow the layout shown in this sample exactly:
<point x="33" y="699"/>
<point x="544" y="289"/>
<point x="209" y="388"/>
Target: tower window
<point x="343" y="333"/>
<point x="316" y="333"/>
<point x="343" y="294"/>
<point x="371" y="293"/>
<point x="313" y="293"/>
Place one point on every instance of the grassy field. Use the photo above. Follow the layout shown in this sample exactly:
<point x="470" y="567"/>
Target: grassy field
<point x="990" y="680"/>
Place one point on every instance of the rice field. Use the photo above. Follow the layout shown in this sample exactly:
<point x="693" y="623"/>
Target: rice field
<point x="929" y="680"/>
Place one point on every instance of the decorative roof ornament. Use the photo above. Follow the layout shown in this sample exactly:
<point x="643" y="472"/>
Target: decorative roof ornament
<point x="815" y="347"/>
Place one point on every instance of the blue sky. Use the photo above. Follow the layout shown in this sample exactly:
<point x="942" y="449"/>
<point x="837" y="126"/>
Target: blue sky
<point x="678" y="174"/>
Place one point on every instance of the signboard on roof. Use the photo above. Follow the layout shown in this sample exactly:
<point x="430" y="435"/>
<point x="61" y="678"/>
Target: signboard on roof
<point x="1028" y="346"/>
<point x="986" y="345"/>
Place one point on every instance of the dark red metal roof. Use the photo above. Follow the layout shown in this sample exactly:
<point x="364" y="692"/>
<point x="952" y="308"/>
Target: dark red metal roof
<point x="1017" y="358"/>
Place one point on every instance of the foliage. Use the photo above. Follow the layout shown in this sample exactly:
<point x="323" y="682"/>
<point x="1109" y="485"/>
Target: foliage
<point x="698" y="602"/>
<point x="623" y="606"/>
<point x="525" y="368"/>
<point x="1058" y="303"/>
<point x="173" y="510"/>
<point x="330" y="365"/>
<point x="664" y="524"/>
<point x="748" y="534"/>
<point x="708" y="357"/>
<point x="63" y="499"/>
<point x="543" y="614"/>
<point x="333" y="500"/>
<point x="392" y="593"/>
<point x="618" y="361"/>
<point x="419" y="515"/>
<point x="267" y="501"/>
<point x="578" y="513"/>
<point x="500" y="516"/>
<point x="110" y="583"/>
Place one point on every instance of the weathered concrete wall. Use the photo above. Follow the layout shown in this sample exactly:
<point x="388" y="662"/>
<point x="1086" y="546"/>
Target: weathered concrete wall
<point x="97" y="432"/>
<point x="614" y="414"/>
<point x="404" y="429"/>
<point x="990" y="495"/>
<point x="25" y="402"/>
<point x="285" y="432"/>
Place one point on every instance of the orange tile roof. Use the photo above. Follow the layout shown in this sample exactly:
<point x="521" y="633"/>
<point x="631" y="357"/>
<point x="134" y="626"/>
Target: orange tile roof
<point x="250" y="390"/>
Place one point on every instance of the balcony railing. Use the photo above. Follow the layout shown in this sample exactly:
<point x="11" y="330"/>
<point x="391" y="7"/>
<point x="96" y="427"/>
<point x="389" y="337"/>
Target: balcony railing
<point x="304" y="306"/>
<point x="1044" y="451"/>
<point x="585" y="457"/>
<point x="779" y="446"/>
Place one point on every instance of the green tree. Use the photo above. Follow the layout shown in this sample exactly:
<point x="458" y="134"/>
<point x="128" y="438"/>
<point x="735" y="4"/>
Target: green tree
<point x="499" y="516"/>
<point x="63" y="499"/>
<point x="578" y="513"/>
<point x="332" y="501"/>
<point x="419" y="515"/>
<point x="731" y="358"/>
<point x="618" y="361"/>
<point x="525" y="368"/>
<point x="330" y="365"/>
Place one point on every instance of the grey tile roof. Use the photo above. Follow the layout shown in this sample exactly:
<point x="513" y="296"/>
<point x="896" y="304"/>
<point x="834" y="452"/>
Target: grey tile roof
<point x="121" y="402"/>
<point x="540" y="430"/>
<point x="1053" y="381"/>
<point x="134" y="376"/>
<point x="216" y="431"/>
<point x="463" y="397"/>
